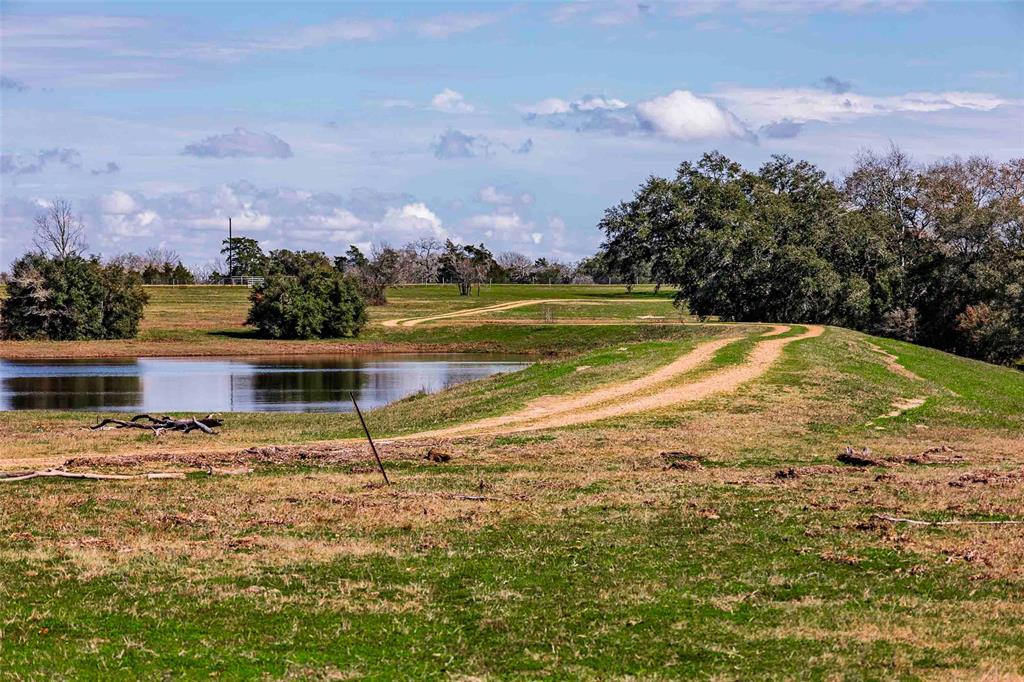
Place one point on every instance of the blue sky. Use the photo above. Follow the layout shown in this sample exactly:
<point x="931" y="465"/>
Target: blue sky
<point x="316" y="125"/>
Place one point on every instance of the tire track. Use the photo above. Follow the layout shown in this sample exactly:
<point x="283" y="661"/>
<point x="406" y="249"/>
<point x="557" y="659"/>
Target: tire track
<point x="647" y="393"/>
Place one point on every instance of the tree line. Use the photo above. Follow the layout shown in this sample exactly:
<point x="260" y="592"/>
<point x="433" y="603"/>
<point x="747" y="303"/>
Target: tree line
<point x="930" y="254"/>
<point x="57" y="292"/>
<point x="423" y="261"/>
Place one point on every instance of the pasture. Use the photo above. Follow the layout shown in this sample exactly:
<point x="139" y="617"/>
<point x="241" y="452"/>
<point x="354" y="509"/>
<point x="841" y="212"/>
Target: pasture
<point x="655" y="497"/>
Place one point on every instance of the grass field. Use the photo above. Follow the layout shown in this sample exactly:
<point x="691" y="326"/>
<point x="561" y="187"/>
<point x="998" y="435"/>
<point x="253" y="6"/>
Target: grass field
<point x="715" y="538"/>
<point x="209" y="320"/>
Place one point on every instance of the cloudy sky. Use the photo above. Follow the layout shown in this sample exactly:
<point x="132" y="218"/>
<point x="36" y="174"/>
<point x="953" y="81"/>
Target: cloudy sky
<point x="316" y="125"/>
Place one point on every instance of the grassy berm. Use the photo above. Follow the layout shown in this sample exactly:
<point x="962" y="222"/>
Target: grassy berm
<point x="712" y="538"/>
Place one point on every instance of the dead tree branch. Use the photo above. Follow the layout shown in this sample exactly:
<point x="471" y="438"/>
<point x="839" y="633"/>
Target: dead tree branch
<point x="160" y="424"/>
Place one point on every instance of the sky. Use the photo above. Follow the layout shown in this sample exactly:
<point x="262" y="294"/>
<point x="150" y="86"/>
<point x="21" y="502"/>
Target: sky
<point x="319" y="125"/>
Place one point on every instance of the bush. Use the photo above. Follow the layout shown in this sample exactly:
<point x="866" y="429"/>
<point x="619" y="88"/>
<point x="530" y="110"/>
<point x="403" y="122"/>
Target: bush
<point x="70" y="299"/>
<point x="123" y="301"/>
<point x="316" y="303"/>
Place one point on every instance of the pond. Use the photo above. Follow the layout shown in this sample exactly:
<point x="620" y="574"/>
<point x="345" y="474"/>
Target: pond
<point x="308" y="383"/>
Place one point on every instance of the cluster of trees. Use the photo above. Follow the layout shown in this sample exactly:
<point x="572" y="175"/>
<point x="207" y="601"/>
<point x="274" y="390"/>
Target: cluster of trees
<point x="156" y="266"/>
<point x="57" y="293"/>
<point x="423" y="261"/>
<point x="933" y="255"/>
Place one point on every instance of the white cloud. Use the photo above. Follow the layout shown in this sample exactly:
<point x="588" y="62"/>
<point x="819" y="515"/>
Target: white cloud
<point x="118" y="202"/>
<point x="117" y="227"/>
<point x="450" y="101"/>
<point x="681" y="115"/>
<point x="240" y="143"/>
<point x="455" y="144"/>
<point x="503" y="197"/>
<point x="500" y="226"/>
<point x="546" y="107"/>
<point x="310" y="36"/>
<point x="411" y="221"/>
<point x="608" y="14"/>
<point x="122" y="216"/>
<point x="447" y="25"/>
<point x="501" y="222"/>
<point x="763" y="106"/>
<point x="594" y="102"/>
<point x="554" y="105"/>
<point x="736" y="112"/>
<point x="341" y="219"/>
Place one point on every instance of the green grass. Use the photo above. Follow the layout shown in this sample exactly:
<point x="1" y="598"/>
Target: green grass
<point x="606" y="591"/>
<point x="977" y="393"/>
<point x="565" y="554"/>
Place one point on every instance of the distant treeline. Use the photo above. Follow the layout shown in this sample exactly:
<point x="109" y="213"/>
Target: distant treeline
<point x="424" y="261"/>
<point x="933" y="255"/>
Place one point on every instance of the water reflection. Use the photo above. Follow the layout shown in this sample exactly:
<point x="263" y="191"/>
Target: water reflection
<point x="320" y="383"/>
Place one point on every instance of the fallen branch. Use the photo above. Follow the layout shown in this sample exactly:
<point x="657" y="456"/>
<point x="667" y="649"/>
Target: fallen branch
<point x="160" y="424"/>
<point x="916" y="522"/>
<point x="60" y="473"/>
<point x="15" y="476"/>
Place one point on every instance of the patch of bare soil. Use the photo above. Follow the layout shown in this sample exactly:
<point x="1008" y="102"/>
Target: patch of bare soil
<point x="271" y="455"/>
<point x="892" y="363"/>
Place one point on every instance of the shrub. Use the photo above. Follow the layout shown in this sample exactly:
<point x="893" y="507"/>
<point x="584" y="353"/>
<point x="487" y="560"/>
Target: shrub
<point x="123" y="301"/>
<point x="316" y="303"/>
<point x="69" y="299"/>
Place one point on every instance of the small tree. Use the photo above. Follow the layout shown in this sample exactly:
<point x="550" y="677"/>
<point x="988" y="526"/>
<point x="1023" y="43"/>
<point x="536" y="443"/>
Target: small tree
<point x="465" y="265"/>
<point x="372" y="276"/>
<point x="317" y="302"/>
<point x="246" y="256"/>
<point x="123" y="301"/>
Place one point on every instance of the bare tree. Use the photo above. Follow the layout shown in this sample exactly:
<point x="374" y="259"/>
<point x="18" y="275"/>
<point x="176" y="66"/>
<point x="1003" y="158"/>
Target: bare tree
<point x="158" y="257"/>
<point x="209" y="272"/>
<point x="132" y="262"/>
<point x="59" y="232"/>
<point x="518" y="266"/>
<point x="427" y="252"/>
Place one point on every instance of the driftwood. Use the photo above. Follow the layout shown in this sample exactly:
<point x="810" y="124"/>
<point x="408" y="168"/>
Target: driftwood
<point x="60" y="473"/>
<point x="15" y="476"/>
<point x="160" y="424"/>
<point x="916" y="522"/>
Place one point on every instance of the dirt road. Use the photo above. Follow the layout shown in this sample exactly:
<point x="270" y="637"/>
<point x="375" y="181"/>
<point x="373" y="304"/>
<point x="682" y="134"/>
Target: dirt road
<point x="498" y="307"/>
<point x="658" y="389"/>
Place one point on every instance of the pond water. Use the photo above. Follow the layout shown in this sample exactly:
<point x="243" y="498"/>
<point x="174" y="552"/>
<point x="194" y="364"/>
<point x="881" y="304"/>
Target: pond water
<point x="309" y="383"/>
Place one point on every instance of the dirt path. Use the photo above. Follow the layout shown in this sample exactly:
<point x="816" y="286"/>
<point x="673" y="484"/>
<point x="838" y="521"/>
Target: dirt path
<point x="655" y="390"/>
<point x="663" y="387"/>
<point x="509" y="305"/>
<point x="892" y="363"/>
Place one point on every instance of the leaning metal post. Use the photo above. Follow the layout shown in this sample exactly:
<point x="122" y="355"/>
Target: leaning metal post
<point x="369" y="438"/>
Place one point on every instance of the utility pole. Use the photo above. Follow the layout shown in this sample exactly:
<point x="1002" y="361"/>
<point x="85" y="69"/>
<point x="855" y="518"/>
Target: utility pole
<point x="231" y="246"/>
